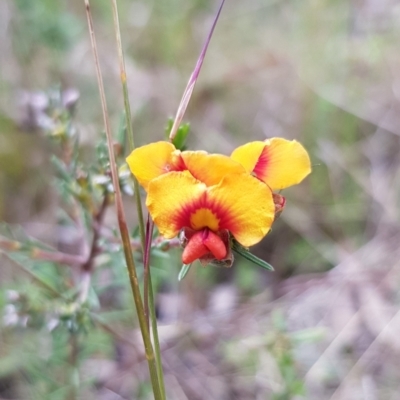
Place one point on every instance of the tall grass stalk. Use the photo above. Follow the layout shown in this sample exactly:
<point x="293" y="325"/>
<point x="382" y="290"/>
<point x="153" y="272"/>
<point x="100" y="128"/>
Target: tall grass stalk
<point x="122" y="220"/>
<point x="145" y="236"/>
<point x="187" y="94"/>
<point x="151" y="307"/>
<point x="128" y="117"/>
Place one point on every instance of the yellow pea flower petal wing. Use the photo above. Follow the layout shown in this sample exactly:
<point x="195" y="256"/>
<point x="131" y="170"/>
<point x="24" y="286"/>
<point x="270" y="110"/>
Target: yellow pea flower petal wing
<point x="281" y="163"/>
<point x="248" y="154"/>
<point x="152" y="160"/>
<point x="171" y="199"/>
<point x="210" y="168"/>
<point x="240" y="203"/>
<point x="246" y="207"/>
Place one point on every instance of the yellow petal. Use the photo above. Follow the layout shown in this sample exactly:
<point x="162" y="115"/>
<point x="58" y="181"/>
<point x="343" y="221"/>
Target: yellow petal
<point x="210" y="168"/>
<point x="150" y="161"/>
<point x="240" y="203"/>
<point x="172" y="199"/>
<point x="248" y="154"/>
<point x="278" y="162"/>
<point x="245" y="207"/>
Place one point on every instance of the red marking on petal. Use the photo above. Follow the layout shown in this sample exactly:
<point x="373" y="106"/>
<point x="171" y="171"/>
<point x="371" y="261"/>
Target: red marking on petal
<point x="262" y="163"/>
<point x="195" y="248"/>
<point x="222" y="212"/>
<point x="215" y="244"/>
<point x="183" y="216"/>
<point x="178" y="163"/>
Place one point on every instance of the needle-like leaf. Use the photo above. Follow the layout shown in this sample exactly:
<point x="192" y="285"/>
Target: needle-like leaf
<point x="244" y="252"/>
<point x="184" y="270"/>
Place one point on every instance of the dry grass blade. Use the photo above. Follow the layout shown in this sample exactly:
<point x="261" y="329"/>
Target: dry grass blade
<point x="122" y="221"/>
<point x="187" y="94"/>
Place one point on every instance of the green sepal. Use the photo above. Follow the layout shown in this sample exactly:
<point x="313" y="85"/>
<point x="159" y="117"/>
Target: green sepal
<point x="244" y="252"/>
<point x="184" y="270"/>
<point x="181" y="135"/>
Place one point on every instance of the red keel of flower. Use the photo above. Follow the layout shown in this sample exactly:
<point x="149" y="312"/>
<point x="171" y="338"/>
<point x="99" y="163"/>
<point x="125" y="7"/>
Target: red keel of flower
<point x="201" y="243"/>
<point x="194" y="249"/>
<point x="215" y="245"/>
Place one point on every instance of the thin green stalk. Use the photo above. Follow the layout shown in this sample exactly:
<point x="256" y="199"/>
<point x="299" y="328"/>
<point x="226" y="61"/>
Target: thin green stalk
<point x="128" y="118"/>
<point x="146" y="269"/>
<point x="149" y="300"/>
<point x="146" y="244"/>
<point x="156" y="340"/>
<point x="122" y="221"/>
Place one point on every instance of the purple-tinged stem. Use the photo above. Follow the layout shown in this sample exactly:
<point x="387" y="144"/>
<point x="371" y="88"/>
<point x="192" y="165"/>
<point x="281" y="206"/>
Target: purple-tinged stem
<point x="187" y="94"/>
<point x="146" y="266"/>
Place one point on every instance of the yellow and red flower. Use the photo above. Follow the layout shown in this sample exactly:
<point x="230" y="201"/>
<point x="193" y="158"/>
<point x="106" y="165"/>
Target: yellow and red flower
<point x="239" y="204"/>
<point x="211" y="197"/>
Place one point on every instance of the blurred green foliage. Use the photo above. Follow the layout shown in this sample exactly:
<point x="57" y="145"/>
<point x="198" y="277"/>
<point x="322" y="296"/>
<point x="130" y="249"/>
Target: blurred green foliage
<point x="49" y="24"/>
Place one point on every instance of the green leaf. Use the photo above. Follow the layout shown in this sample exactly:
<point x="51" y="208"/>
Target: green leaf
<point x="184" y="270"/>
<point x="181" y="135"/>
<point x="244" y="252"/>
<point x="61" y="169"/>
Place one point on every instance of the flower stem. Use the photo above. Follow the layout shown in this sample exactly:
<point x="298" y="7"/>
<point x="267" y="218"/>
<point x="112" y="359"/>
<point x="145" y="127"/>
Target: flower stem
<point x="122" y="221"/>
<point x="156" y="340"/>
<point x="128" y="117"/>
<point x="151" y="306"/>
<point x="146" y="268"/>
<point x="145" y="235"/>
